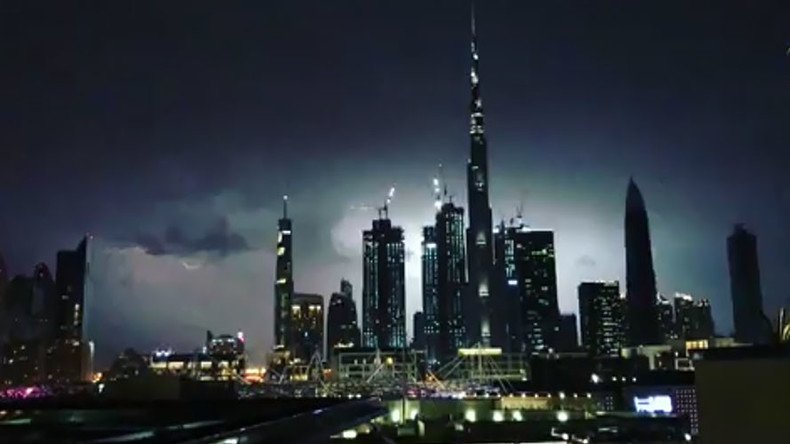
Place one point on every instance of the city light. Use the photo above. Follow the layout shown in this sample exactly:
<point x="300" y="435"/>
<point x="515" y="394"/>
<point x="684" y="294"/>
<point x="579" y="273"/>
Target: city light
<point x="562" y="416"/>
<point x="470" y="415"/>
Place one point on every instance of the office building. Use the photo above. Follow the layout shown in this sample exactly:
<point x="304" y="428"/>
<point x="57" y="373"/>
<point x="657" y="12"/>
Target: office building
<point x="693" y="319"/>
<point x="383" y="286"/>
<point x="430" y="294"/>
<point x="751" y="325"/>
<point x="643" y="327"/>
<point x="479" y="247"/>
<point x="71" y="356"/>
<point x="601" y="312"/>
<point x="527" y="314"/>
<point x="283" y="284"/>
<point x="567" y="337"/>
<point x="307" y="326"/>
<point x="341" y="322"/>
<point x="418" y="324"/>
<point x="666" y="318"/>
<point x="451" y="279"/>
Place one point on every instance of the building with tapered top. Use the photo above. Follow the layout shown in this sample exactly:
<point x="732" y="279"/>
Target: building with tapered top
<point x="478" y="307"/>
<point x="751" y="324"/>
<point x="642" y="316"/>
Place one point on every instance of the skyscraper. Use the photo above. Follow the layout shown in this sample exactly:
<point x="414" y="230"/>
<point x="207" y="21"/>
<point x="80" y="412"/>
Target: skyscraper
<point x="307" y="325"/>
<point x="383" y="286"/>
<point x="44" y="304"/>
<point x="451" y="271"/>
<point x="640" y="278"/>
<point x="666" y="318"/>
<point x="527" y="314"/>
<point x="601" y="311"/>
<point x="341" y="323"/>
<point x="693" y="318"/>
<point x="430" y="294"/>
<point x="284" y="284"/>
<point x="568" y="336"/>
<point x="751" y="325"/>
<point x="72" y="286"/>
<point x="478" y="236"/>
<point x="71" y="356"/>
<point x="418" y="324"/>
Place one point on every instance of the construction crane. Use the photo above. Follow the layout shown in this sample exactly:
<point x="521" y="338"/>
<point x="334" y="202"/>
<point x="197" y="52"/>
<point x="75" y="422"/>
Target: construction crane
<point x="385" y="209"/>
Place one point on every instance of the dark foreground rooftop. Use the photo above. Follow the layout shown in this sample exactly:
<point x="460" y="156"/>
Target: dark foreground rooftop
<point x="196" y="421"/>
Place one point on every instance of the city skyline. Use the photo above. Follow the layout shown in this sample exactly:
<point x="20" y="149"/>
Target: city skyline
<point x="218" y="224"/>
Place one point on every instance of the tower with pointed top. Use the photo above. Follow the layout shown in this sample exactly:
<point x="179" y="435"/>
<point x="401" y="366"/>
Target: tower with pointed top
<point x="642" y="315"/>
<point x="284" y="284"/>
<point x="478" y="236"/>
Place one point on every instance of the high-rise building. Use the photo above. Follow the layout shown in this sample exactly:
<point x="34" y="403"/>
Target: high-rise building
<point x="478" y="237"/>
<point x="568" y="336"/>
<point x="284" y="283"/>
<point x="72" y="286"/>
<point x="71" y="356"/>
<point x="693" y="319"/>
<point x="451" y="279"/>
<point x="526" y="298"/>
<point x="44" y="304"/>
<point x="640" y="292"/>
<point x="383" y="286"/>
<point x="418" y="324"/>
<point x="601" y="311"/>
<point x="430" y="294"/>
<point x="341" y="323"/>
<point x="666" y="318"/>
<point x="307" y="325"/>
<point x="751" y="325"/>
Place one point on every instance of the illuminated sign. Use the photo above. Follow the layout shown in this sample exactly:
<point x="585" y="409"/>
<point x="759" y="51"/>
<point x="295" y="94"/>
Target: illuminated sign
<point x="653" y="404"/>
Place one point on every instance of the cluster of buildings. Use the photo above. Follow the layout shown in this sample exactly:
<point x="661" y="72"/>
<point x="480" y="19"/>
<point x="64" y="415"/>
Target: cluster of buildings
<point x="495" y="286"/>
<point x="43" y="325"/>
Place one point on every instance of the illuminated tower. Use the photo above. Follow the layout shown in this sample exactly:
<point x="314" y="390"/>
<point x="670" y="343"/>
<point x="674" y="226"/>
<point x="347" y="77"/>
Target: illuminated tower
<point x="71" y="357"/>
<point x="451" y="282"/>
<point x="430" y="293"/>
<point x="601" y="312"/>
<point x="307" y="325"/>
<point x="383" y="285"/>
<point x="642" y="316"/>
<point x="478" y="236"/>
<point x="341" y="322"/>
<point x="527" y="310"/>
<point x="284" y="284"/>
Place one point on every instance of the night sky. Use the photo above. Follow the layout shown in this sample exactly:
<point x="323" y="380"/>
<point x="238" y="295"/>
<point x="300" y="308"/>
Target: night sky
<point x="170" y="131"/>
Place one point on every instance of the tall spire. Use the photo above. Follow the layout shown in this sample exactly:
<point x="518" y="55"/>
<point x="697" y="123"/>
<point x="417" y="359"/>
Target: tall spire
<point x="476" y="105"/>
<point x="285" y="206"/>
<point x="479" y="243"/>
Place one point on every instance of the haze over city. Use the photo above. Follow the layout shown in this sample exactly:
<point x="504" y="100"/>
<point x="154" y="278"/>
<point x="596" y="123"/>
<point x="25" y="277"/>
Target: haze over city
<point x="173" y="137"/>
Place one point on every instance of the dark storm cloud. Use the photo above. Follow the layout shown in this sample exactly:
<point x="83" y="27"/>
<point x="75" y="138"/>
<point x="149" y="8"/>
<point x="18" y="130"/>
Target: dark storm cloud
<point x="219" y="239"/>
